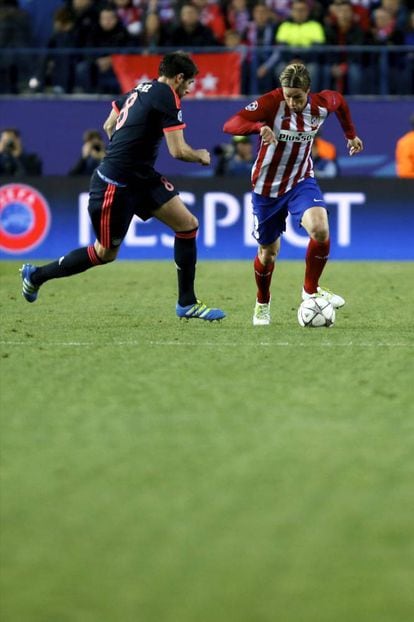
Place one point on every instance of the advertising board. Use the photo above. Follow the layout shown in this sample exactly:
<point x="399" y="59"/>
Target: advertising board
<point x="369" y="219"/>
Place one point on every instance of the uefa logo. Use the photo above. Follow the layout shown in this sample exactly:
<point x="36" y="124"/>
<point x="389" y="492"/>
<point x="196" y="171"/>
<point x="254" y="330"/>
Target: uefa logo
<point x="24" y="218"/>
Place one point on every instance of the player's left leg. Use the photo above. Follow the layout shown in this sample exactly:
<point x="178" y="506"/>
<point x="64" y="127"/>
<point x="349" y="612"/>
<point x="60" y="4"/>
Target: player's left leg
<point x="185" y="226"/>
<point x="110" y="226"/>
<point x="315" y="222"/>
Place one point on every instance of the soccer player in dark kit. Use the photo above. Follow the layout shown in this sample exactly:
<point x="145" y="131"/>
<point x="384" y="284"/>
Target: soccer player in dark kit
<point x="126" y="183"/>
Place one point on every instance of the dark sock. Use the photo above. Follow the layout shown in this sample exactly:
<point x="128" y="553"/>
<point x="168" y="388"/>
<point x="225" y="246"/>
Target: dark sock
<point x="185" y="257"/>
<point x="74" y="262"/>
<point x="316" y="257"/>
<point x="263" y="276"/>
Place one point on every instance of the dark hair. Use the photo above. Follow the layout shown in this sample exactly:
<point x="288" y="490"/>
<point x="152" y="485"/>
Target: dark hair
<point x="295" y="76"/>
<point x="175" y="63"/>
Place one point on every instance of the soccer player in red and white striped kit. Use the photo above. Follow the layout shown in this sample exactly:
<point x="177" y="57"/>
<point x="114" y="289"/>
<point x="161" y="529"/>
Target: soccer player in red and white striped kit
<point x="288" y="119"/>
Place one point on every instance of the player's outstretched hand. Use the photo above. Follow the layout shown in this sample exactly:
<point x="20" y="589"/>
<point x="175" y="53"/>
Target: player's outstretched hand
<point x="204" y="156"/>
<point x="267" y="135"/>
<point x="355" y="145"/>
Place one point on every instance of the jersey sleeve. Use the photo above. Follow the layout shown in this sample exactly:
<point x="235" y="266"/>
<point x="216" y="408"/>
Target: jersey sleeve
<point x="253" y="117"/>
<point x="117" y="104"/>
<point x="336" y="103"/>
<point x="169" y="105"/>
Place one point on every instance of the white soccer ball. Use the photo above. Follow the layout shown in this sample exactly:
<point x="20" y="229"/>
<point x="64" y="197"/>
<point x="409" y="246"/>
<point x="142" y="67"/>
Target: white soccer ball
<point x="316" y="312"/>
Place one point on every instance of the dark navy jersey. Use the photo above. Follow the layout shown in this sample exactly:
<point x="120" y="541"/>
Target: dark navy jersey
<point x="144" y="114"/>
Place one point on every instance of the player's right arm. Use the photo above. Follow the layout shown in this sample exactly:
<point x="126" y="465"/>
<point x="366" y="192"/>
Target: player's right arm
<point x="180" y="150"/>
<point x="253" y="119"/>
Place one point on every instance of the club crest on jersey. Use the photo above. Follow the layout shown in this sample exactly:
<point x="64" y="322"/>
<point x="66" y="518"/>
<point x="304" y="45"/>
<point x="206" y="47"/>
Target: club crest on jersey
<point x="252" y="106"/>
<point x="24" y="218"/>
<point x="180" y="116"/>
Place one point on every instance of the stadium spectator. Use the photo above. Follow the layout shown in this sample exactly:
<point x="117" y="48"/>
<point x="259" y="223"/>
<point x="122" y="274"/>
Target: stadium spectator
<point x="14" y="160"/>
<point x="86" y="14"/>
<point x="190" y="32"/>
<point x="15" y="32"/>
<point x="283" y="178"/>
<point x="238" y="15"/>
<point x="404" y="153"/>
<point x="236" y="158"/>
<point x="165" y="9"/>
<point x="130" y="15"/>
<point x="384" y="29"/>
<point x="385" y="33"/>
<point x="57" y="71"/>
<point x="259" y="36"/>
<point x="96" y="74"/>
<point x="154" y="34"/>
<point x="398" y="11"/>
<point x="93" y="152"/>
<point x="126" y="184"/>
<point x="343" y="70"/>
<point x="361" y="10"/>
<point x="211" y="15"/>
<point x="301" y="32"/>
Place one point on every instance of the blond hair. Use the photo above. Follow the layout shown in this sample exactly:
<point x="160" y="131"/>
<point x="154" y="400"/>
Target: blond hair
<point x="295" y="76"/>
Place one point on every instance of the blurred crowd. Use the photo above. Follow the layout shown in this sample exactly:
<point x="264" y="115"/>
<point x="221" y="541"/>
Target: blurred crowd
<point x="268" y="34"/>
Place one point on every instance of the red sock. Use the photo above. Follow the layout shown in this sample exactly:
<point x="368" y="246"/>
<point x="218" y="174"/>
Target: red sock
<point x="316" y="258"/>
<point x="263" y="276"/>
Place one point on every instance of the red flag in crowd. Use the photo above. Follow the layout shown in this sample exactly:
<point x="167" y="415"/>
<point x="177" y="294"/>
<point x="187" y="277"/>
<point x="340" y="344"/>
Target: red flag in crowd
<point x="219" y="74"/>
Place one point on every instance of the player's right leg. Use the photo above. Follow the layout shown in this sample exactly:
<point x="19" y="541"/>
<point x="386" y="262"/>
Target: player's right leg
<point x="269" y="222"/>
<point x="185" y="225"/>
<point x="76" y="261"/>
<point x="110" y="227"/>
<point x="264" y="264"/>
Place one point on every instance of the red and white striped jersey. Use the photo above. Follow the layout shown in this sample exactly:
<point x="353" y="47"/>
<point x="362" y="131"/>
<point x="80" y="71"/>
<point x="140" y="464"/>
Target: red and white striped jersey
<point x="279" y="167"/>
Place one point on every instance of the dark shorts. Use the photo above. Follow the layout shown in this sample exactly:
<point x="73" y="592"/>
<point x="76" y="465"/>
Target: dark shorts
<point x="270" y="213"/>
<point x="112" y="206"/>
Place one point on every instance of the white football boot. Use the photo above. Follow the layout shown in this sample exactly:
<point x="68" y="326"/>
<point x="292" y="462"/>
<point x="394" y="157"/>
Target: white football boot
<point x="336" y="301"/>
<point x="261" y="315"/>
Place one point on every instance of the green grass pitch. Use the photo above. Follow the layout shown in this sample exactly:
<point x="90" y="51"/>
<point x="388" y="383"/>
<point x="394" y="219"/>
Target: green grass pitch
<point x="157" y="470"/>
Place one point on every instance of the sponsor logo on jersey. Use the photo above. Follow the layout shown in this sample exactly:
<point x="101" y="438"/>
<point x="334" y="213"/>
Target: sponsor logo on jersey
<point x="253" y="106"/>
<point x="24" y="218"/>
<point x="293" y="136"/>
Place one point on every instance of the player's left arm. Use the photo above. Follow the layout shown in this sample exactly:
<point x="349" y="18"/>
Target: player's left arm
<point x="335" y="102"/>
<point x="253" y="119"/>
<point x="110" y="122"/>
<point x="180" y="150"/>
